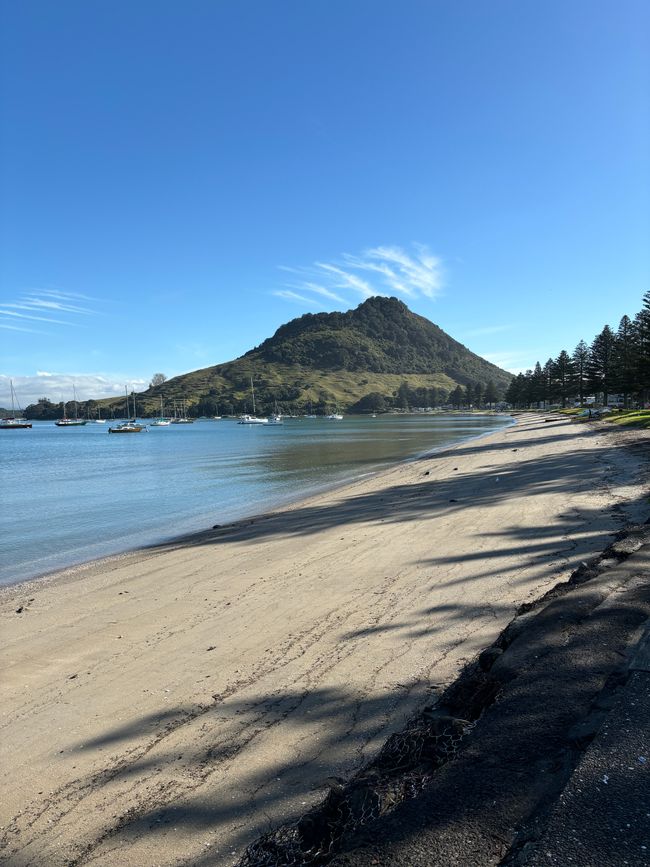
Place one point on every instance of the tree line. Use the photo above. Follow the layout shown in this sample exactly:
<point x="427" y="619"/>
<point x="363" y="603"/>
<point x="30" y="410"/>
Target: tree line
<point x="615" y="363"/>
<point x="476" y="395"/>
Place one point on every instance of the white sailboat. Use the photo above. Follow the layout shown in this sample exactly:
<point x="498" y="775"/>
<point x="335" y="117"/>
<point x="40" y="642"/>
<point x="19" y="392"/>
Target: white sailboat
<point x="14" y="422"/>
<point x="252" y="419"/>
<point x="275" y="417"/>
<point x="71" y="422"/>
<point x="161" y="421"/>
<point x="99" y="419"/>
<point x="180" y="414"/>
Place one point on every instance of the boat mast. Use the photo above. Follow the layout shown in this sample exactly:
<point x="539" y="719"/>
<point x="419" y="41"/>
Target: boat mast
<point x="253" y="393"/>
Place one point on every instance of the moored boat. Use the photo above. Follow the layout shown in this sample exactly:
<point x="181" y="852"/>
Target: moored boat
<point x="276" y="416"/>
<point x="71" y="422"/>
<point x="252" y="419"/>
<point x="162" y="421"/>
<point x="14" y="422"/>
<point x="180" y="414"/>
<point x="131" y="425"/>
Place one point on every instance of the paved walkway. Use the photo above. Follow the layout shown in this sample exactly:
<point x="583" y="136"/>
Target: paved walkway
<point x="602" y="818"/>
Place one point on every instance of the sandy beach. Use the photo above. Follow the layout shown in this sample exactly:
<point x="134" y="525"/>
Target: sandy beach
<point x="166" y="707"/>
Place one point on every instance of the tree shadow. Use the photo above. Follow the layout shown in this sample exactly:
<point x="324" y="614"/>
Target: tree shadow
<point x="191" y="788"/>
<point x="544" y="678"/>
<point x="566" y="473"/>
<point x="494" y="799"/>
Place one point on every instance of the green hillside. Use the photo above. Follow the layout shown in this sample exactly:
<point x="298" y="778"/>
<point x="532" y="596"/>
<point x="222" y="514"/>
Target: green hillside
<point x="337" y="358"/>
<point x="380" y="336"/>
<point x="332" y="359"/>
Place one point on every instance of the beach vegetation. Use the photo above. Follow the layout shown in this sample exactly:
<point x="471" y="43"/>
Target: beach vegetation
<point x="637" y="418"/>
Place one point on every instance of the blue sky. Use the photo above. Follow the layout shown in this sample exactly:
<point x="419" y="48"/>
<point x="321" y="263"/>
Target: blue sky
<point x="179" y="179"/>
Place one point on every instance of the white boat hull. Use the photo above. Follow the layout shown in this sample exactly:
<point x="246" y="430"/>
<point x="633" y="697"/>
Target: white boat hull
<point x="251" y="419"/>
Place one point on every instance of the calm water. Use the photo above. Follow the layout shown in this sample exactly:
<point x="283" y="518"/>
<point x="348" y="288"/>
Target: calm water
<point x="71" y="495"/>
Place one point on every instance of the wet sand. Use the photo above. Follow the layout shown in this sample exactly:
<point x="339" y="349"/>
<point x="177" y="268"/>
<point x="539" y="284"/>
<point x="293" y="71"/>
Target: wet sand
<point x="167" y="706"/>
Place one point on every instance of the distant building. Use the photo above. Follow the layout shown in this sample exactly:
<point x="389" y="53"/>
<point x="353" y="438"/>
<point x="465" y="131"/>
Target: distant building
<point x="598" y="400"/>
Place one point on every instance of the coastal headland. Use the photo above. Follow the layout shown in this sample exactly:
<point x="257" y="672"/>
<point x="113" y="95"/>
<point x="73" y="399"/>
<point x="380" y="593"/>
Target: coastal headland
<point x="170" y="705"/>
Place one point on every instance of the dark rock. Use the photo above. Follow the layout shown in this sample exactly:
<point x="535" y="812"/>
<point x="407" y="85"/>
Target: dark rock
<point x="20" y="609"/>
<point x="584" y="572"/>
<point x="584" y="731"/>
<point x="626" y="546"/>
<point x="487" y="659"/>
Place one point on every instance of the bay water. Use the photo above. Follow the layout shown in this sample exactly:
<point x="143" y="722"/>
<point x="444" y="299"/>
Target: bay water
<point x="75" y="494"/>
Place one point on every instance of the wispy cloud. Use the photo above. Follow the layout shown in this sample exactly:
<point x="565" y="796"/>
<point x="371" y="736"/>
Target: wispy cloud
<point x="31" y="317"/>
<point x="46" y="305"/>
<point x="8" y="327"/>
<point x="347" y="280"/>
<point x="326" y="293"/>
<point x="381" y="270"/>
<point x="290" y="295"/>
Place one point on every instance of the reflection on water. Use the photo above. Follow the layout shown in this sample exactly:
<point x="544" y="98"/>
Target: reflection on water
<point x="71" y="495"/>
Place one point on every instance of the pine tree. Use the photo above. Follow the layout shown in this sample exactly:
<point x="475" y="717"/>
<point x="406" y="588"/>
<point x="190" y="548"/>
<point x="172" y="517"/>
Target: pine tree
<point x="600" y="367"/>
<point x="402" y="397"/>
<point x="625" y="356"/>
<point x="490" y="393"/>
<point x="563" y="376"/>
<point x="456" y="397"/>
<point x="548" y="381"/>
<point x="537" y="384"/>
<point x="580" y="360"/>
<point x="514" y="390"/>
<point x="642" y="348"/>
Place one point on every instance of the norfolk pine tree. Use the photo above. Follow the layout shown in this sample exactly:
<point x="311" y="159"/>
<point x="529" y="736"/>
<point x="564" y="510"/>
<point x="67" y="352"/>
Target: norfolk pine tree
<point x="580" y="358"/>
<point x="600" y="366"/>
<point x="563" y="376"/>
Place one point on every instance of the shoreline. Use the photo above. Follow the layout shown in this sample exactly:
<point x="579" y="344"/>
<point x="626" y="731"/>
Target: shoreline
<point x="176" y="703"/>
<point x="70" y="572"/>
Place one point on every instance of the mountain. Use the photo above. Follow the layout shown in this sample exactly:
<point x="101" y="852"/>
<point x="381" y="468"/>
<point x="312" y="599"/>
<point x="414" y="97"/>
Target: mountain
<point x="381" y="336"/>
<point x="334" y="359"/>
<point x="337" y="358"/>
